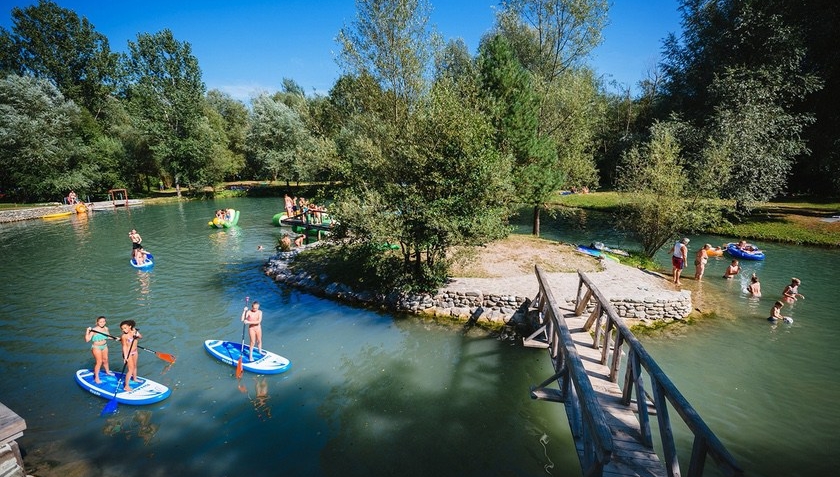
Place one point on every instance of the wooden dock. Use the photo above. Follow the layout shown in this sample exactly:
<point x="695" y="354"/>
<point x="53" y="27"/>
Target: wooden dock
<point x="11" y="429"/>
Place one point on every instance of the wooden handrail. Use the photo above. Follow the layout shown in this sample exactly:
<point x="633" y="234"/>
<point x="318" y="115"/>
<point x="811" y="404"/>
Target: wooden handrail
<point x="586" y="417"/>
<point x="705" y="441"/>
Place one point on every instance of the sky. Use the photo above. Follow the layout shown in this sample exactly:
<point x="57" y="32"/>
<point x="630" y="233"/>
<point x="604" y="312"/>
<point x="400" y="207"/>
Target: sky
<point x="246" y="47"/>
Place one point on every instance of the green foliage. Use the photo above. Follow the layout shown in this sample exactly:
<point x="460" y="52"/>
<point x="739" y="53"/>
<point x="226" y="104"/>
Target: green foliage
<point x="513" y="106"/>
<point x="658" y="205"/>
<point x="48" y="41"/>
<point x="275" y="139"/>
<point x="390" y="41"/>
<point x="37" y="138"/>
<point x="737" y="77"/>
<point x="166" y="99"/>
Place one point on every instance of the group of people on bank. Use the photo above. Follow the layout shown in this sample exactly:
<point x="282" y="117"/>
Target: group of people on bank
<point x="300" y="208"/>
<point x="679" y="255"/>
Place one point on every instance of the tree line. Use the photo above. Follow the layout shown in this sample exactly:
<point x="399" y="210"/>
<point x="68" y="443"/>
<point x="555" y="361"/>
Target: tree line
<point x="435" y="146"/>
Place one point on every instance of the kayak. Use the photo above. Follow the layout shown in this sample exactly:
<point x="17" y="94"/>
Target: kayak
<point x="264" y="362"/>
<point x="57" y="215"/>
<point x="596" y="253"/>
<point x="143" y="391"/>
<point x="733" y="250"/>
<point x="148" y="264"/>
<point x="224" y="224"/>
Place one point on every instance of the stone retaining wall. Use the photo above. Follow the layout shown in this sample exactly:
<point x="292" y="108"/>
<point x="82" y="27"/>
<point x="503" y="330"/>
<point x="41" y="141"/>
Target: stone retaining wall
<point x="466" y="304"/>
<point x="32" y="213"/>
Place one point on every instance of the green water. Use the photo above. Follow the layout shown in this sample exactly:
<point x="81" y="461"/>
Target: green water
<point x="368" y="393"/>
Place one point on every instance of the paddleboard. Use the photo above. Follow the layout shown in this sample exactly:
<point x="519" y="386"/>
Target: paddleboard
<point x="149" y="263"/>
<point x="143" y="391"/>
<point x="596" y="253"/>
<point x="263" y="363"/>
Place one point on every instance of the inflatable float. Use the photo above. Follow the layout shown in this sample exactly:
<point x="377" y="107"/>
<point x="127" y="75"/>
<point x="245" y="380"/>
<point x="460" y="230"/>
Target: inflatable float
<point x="225" y="224"/>
<point x="755" y="254"/>
<point x="146" y="265"/>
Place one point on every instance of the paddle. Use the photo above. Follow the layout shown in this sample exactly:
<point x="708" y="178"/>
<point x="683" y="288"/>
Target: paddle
<point x="111" y="407"/>
<point x="164" y="356"/>
<point x="242" y="343"/>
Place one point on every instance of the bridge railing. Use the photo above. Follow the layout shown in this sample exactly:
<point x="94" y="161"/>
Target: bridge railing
<point x="586" y="417"/>
<point x="612" y="336"/>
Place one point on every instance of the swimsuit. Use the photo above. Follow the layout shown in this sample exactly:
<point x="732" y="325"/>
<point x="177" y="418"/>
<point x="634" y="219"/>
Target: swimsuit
<point x="97" y="336"/>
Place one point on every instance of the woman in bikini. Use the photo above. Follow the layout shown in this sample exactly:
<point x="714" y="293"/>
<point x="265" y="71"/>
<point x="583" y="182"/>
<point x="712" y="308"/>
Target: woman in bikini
<point x="98" y="336"/>
<point x="253" y="318"/>
<point x="129" y="349"/>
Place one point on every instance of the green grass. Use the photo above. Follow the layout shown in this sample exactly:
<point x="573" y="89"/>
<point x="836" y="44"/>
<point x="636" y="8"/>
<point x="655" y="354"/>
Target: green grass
<point x="793" y="220"/>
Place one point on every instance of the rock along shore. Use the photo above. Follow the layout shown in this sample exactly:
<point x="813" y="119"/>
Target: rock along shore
<point x="637" y="295"/>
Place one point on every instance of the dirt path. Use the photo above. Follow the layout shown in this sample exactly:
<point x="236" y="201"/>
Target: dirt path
<point x="506" y="267"/>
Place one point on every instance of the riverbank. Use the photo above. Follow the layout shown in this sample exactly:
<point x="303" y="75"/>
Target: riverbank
<point x="496" y="282"/>
<point x="794" y="220"/>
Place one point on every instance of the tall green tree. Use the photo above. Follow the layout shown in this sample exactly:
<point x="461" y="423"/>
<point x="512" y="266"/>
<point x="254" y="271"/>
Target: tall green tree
<point x="276" y="137"/>
<point x="391" y="41"/>
<point x="737" y="75"/>
<point x="38" y="137"/>
<point x="48" y="41"/>
<point x="552" y="40"/>
<point x="166" y="98"/>
<point x="232" y="126"/>
<point x="659" y="201"/>
<point x="513" y="107"/>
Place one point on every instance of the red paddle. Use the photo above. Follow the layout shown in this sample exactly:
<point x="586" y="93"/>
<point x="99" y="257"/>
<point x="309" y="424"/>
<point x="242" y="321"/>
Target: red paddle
<point x="242" y="344"/>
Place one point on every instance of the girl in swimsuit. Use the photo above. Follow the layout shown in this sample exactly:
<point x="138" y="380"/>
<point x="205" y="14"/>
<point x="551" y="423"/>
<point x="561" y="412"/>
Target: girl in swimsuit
<point x="254" y="319"/>
<point x="97" y="336"/>
<point x="130" y="333"/>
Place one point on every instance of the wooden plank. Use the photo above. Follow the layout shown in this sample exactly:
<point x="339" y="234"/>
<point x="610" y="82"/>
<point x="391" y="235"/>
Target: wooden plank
<point x="11" y="425"/>
<point x="630" y="457"/>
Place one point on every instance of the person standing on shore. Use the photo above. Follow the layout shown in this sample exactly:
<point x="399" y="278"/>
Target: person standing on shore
<point x="679" y="252"/>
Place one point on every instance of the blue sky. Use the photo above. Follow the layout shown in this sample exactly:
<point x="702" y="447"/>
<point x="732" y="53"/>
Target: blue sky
<point x="248" y="46"/>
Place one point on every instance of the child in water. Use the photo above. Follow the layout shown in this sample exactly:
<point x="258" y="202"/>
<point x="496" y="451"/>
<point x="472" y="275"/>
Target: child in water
<point x="776" y="313"/>
<point x="733" y="269"/>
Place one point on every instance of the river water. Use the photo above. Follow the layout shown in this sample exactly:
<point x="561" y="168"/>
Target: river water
<point x="368" y="393"/>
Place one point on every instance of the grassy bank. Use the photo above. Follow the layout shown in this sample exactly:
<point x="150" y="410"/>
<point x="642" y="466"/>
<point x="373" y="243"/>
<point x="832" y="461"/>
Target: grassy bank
<point x="790" y="221"/>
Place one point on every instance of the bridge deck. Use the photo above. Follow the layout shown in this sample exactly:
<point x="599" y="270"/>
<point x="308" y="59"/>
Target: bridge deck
<point x="630" y="456"/>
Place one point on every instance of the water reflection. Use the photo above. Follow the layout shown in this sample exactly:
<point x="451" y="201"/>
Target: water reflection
<point x="260" y="400"/>
<point x="139" y="424"/>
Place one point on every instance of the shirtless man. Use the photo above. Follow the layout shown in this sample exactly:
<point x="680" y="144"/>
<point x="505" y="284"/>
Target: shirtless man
<point x="253" y="318"/>
<point x="135" y="241"/>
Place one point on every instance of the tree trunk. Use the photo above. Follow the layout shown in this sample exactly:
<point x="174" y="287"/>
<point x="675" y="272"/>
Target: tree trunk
<point x="536" y="230"/>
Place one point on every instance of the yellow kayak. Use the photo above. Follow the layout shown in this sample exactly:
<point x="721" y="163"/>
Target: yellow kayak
<point x="57" y="215"/>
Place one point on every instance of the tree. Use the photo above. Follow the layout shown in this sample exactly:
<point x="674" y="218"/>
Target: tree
<point x="276" y="138"/>
<point x="232" y="128"/>
<point x="51" y="42"/>
<point x="391" y="42"/>
<point x="737" y="76"/>
<point x="37" y="139"/>
<point x="513" y="108"/>
<point x="661" y="203"/>
<point x="551" y="39"/>
<point x="166" y="98"/>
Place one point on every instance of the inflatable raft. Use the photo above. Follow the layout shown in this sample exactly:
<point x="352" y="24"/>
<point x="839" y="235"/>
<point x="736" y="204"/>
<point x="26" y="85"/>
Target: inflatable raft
<point x="733" y="250"/>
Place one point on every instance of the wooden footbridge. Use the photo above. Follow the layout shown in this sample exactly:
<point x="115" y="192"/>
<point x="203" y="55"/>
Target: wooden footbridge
<point x="612" y="430"/>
